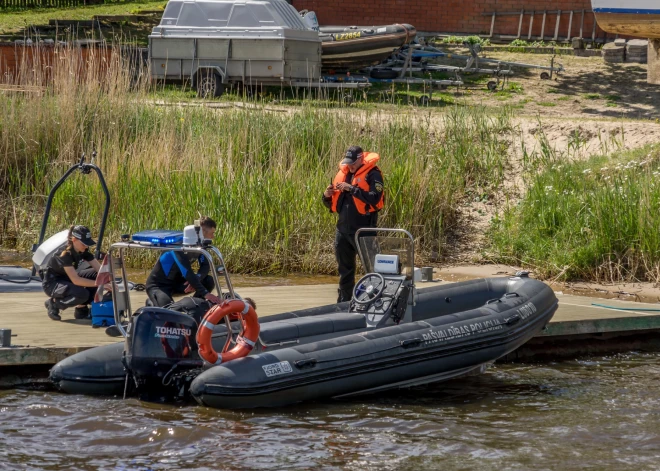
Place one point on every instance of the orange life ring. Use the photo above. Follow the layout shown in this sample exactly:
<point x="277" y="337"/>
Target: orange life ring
<point x="244" y="344"/>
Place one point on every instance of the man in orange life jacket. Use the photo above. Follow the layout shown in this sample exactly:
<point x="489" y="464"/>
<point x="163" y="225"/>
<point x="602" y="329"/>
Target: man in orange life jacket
<point x="356" y="194"/>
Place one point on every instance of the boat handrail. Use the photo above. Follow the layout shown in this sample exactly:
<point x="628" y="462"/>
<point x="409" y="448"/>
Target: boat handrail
<point x="121" y="247"/>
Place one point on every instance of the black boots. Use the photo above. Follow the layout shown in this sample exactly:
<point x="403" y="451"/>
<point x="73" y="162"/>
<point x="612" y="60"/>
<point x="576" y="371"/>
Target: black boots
<point x="81" y="312"/>
<point x="53" y="311"/>
<point x="344" y="295"/>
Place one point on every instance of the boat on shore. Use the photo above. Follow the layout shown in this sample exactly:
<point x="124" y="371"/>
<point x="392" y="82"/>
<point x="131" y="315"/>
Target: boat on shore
<point x="639" y="18"/>
<point x="355" y="47"/>
<point x="390" y="335"/>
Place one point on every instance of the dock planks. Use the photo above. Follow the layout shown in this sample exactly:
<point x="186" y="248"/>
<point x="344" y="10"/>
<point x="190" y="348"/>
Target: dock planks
<point x="39" y="340"/>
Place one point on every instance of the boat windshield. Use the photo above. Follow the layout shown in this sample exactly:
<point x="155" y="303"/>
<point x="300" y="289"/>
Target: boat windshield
<point x="401" y="246"/>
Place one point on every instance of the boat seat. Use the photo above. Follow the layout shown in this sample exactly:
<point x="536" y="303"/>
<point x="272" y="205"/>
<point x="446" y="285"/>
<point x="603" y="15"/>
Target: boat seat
<point x="292" y="329"/>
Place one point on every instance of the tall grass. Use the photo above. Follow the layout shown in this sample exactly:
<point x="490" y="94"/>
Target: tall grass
<point x="260" y="173"/>
<point x="598" y="219"/>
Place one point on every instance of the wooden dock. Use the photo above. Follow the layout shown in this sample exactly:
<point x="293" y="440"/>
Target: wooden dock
<point x="577" y="328"/>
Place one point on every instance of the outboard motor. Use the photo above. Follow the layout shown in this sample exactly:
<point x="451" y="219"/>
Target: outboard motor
<point x="161" y="353"/>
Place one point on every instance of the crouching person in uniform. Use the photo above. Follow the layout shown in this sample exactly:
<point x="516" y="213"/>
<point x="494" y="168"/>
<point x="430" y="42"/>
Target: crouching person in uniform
<point x="69" y="279"/>
<point x="356" y="194"/>
<point x="173" y="274"/>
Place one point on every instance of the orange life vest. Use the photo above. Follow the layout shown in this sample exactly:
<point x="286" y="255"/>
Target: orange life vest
<point x="359" y="180"/>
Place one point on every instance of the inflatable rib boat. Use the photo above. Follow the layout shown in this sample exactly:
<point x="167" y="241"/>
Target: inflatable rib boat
<point x="390" y="335"/>
<point x="354" y="47"/>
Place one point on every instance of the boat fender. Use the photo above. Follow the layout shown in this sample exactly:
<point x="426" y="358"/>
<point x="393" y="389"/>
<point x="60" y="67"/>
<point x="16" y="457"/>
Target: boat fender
<point x="244" y="343"/>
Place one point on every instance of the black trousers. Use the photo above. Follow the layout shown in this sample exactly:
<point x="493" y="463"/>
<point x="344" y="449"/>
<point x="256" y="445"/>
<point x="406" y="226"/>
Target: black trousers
<point x="161" y="296"/>
<point x="65" y="294"/>
<point x="345" y="253"/>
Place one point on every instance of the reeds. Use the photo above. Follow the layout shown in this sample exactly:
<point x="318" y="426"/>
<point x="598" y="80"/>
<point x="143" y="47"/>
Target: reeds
<point x="595" y="220"/>
<point x="258" y="170"/>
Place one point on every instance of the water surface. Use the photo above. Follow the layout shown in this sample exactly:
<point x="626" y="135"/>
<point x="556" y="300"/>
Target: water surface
<point x="601" y="413"/>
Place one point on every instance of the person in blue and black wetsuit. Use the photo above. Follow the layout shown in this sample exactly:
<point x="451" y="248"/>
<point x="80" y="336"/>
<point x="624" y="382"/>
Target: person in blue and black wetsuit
<point x="173" y="274"/>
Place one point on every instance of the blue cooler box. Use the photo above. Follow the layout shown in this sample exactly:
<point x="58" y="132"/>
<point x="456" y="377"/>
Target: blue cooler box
<point x="103" y="314"/>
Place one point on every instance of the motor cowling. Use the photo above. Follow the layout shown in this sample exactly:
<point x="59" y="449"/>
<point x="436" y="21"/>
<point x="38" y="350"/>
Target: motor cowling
<point x="160" y="347"/>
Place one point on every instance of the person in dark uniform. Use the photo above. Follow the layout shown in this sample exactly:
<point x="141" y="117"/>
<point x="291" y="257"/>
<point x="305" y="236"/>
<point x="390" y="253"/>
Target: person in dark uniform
<point x="356" y="194"/>
<point x="69" y="278"/>
<point x="174" y="275"/>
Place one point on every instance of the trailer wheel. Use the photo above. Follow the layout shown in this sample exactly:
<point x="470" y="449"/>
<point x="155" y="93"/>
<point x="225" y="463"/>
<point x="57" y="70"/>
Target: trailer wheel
<point x="492" y="85"/>
<point x="545" y="76"/>
<point x="424" y="100"/>
<point x="209" y="84"/>
<point x="348" y="98"/>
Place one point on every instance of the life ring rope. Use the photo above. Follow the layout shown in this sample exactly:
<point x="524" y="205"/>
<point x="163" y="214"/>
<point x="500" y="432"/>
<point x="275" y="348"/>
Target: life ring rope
<point x="244" y="343"/>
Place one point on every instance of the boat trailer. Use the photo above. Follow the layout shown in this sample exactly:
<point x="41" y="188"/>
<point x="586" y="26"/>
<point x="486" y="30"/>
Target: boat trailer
<point x="414" y="58"/>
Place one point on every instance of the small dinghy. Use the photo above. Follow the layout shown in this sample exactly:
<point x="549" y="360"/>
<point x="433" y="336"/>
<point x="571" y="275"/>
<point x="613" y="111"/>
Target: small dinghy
<point x="355" y="47"/>
<point x="390" y="335"/>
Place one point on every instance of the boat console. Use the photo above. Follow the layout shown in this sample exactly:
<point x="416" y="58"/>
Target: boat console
<point x="385" y="296"/>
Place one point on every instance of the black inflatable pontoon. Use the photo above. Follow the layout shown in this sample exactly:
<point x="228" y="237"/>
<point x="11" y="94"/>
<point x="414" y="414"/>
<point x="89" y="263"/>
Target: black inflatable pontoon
<point x="390" y="335"/>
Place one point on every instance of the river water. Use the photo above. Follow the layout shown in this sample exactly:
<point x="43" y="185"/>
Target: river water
<point x="599" y="413"/>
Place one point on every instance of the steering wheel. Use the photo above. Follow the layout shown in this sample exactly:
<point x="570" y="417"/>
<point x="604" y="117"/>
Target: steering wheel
<point x="368" y="289"/>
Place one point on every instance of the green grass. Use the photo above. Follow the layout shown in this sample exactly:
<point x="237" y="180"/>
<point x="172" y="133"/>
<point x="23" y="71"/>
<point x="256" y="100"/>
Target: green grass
<point x="594" y="220"/>
<point x="459" y="40"/>
<point x="546" y="103"/>
<point x="592" y="96"/>
<point x="564" y="98"/>
<point x="258" y="171"/>
<point x="12" y="21"/>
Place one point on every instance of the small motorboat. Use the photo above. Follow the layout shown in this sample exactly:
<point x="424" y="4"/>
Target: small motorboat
<point x="639" y="18"/>
<point x="390" y="335"/>
<point x="355" y="47"/>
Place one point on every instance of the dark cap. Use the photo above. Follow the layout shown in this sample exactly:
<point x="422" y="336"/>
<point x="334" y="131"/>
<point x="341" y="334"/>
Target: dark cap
<point x="83" y="234"/>
<point x="352" y="154"/>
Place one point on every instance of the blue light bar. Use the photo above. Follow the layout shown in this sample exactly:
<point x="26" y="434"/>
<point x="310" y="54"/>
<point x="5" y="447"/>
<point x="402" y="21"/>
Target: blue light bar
<point x="159" y="237"/>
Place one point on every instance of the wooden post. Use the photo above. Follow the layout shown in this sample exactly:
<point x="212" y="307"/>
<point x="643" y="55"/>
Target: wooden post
<point x="492" y="27"/>
<point x="543" y="26"/>
<point x="531" y="23"/>
<point x="593" y="32"/>
<point x="556" y="36"/>
<point x="653" y="74"/>
<point x="570" y="25"/>
<point x="522" y="13"/>
<point x="582" y="25"/>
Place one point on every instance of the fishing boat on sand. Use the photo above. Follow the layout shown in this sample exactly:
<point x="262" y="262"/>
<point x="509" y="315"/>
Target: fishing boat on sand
<point x="628" y="17"/>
